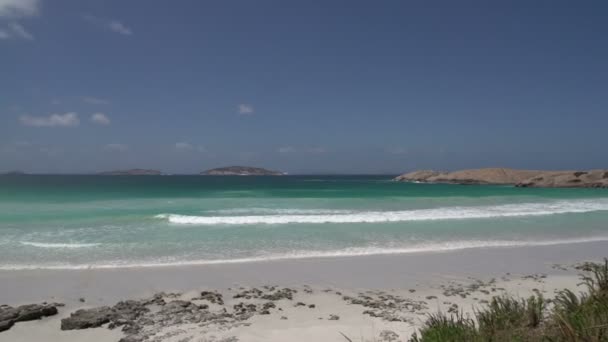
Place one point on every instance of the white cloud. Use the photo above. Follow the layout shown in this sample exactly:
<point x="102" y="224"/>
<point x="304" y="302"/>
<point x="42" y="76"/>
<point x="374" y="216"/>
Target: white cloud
<point x="53" y="120"/>
<point x="245" y="109"/>
<point x="20" y="31"/>
<point x="183" y="146"/>
<point x="116" y="147"/>
<point x="13" y="9"/>
<point x="19" y="8"/>
<point x="15" y="30"/>
<point x="119" y="27"/>
<point x="112" y="25"/>
<point x="94" y="100"/>
<point x="286" y="149"/>
<point x="100" y="119"/>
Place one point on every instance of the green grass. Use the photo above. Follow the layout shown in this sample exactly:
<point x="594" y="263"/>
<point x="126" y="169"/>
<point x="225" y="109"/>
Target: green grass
<point x="572" y="318"/>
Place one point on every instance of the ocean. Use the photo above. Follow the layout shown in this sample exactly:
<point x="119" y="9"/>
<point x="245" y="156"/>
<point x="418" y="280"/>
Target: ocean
<point x="79" y="222"/>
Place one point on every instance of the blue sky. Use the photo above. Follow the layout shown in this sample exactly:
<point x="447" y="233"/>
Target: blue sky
<point x="302" y="86"/>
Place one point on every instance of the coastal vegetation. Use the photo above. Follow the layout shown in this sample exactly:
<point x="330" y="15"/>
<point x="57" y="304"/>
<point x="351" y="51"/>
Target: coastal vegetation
<point x="570" y="317"/>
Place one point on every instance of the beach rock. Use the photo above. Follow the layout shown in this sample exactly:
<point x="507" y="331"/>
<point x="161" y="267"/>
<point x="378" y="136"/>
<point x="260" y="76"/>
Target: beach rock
<point x="386" y="306"/>
<point x="389" y="336"/>
<point x="87" y="318"/>
<point x="9" y="315"/>
<point x="5" y="325"/>
<point x="213" y="297"/>
<point x="268" y="305"/>
<point x="285" y="293"/>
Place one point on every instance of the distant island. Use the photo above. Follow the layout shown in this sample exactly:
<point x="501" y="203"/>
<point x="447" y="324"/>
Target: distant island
<point x="518" y="178"/>
<point x="241" y="171"/>
<point x="132" y="172"/>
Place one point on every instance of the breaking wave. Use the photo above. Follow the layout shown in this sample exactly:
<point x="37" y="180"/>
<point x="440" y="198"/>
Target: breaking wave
<point x="444" y="213"/>
<point x="58" y="245"/>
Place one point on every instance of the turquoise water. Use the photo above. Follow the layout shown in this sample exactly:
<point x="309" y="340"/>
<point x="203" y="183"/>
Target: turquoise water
<point x="101" y="221"/>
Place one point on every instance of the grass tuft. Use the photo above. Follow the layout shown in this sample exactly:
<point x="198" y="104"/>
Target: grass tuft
<point x="572" y="318"/>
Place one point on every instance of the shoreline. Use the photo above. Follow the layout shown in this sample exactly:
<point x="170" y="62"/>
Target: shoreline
<point x="361" y="297"/>
<point x="454" y="246"/>
<point x="380" y="271"/>
<point x="274" y="313"/>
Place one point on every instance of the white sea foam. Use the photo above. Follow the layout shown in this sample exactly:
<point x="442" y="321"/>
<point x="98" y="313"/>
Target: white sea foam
<point x="281" y="211"/>
<point x="444" y="213"/>
<point x="59" y="245"/>
<point x="347" y="252"/>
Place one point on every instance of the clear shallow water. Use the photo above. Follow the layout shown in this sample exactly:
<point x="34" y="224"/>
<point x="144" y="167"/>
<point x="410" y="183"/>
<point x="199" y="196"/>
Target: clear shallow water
<point x="101" y="221"/>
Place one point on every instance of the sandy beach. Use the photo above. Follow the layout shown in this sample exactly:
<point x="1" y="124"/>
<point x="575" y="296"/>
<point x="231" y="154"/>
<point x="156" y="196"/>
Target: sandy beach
<point x="365" y="298"/>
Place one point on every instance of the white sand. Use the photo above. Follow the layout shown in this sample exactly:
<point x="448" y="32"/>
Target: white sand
<point x="427" y="274"/>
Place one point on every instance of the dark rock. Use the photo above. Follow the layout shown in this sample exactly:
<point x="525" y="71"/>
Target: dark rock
<point x="87" y="318"/>
<point x="34" y="311"/>
<point x="389" y="336"/>
<point x="5" y="325"/>
<point x="128" y="310"/>
<point x="9" y="315"/>
<point x="334" y="317"/>
<point x="285" y="293"/>
<point x="132" y="338"/>
<point x="213" y="297"/>
<point x="269" y="305"/>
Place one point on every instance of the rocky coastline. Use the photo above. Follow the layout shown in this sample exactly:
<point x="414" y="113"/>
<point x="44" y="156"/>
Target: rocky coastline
<point x="518" y="178"/>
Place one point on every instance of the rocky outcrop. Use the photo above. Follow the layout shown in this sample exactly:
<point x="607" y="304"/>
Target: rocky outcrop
<point x="241" y="171"/>
<point x="120" y="314"/>
<point x="132" y="172"/>
<point x="520" y="178"/>
<point x="156" y="317"/>
<point x="9" y="315"/>
<point x="473" y="176"/>
<point x="570" y="179"/>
